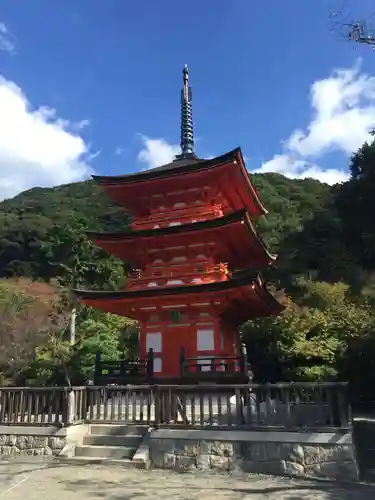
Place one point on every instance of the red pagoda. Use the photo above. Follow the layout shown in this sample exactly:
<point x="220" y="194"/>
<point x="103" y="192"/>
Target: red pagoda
<point x="196" y="258"/>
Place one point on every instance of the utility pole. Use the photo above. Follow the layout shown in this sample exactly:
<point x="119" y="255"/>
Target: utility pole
<point x="72" y="326"/>
<point x="73" y="315"/>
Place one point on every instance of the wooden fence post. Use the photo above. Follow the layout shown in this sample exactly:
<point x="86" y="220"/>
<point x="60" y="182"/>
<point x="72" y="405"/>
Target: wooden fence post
<point x="243" y="361"/>
<point x="97" y="372"/>
<point x="182" y="361"/>
<point x="157" y="406"/>
<point x="64" y="402"/>
<point x="343" y="407"/>
<point x="150" y="363"/>
<point x="71" y="413"/>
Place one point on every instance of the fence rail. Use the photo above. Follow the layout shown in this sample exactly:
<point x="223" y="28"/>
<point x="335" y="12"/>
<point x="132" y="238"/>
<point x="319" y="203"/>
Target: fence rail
<point x="33" y="405"/>
<point x="283" y="405"/>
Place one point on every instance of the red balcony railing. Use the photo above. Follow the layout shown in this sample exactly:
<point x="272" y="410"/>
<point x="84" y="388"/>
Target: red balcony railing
<point x="176" y="216"/>
<point x="178" y="275"/>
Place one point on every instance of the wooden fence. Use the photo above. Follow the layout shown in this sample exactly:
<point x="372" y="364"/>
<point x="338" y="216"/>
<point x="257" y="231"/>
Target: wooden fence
<point x="286" y="405"/>
<point x="33" y="405"/>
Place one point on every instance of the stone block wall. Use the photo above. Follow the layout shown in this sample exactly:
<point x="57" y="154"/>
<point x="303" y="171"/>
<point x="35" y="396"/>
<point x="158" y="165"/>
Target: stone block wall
<point x="278" y="458"/>
<point x="13" y="445"/>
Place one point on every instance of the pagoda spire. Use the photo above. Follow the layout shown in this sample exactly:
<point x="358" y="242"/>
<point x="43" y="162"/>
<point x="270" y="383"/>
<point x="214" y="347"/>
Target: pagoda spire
<point x="187" y="132"/>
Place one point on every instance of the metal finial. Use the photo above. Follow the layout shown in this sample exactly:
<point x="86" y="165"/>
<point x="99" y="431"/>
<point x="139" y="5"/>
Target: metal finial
<point x="187" y="132"/>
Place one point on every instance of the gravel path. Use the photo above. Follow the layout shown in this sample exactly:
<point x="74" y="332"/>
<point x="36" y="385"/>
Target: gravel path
<point x="20" y="480"/>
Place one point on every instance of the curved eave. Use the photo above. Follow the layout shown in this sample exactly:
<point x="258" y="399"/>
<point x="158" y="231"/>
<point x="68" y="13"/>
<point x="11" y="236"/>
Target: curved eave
<point x="240" y="278"/>
<point x="241" y="162"/>
<point x="258" y="238"/>
<point x="111" y="242"/>
<point x="122" y="302"/>
<point x="157" y="232"/>
<point x="158" y="174"/>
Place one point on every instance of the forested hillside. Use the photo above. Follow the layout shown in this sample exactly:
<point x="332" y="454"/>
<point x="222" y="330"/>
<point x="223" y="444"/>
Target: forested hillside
<point x="30" y="220"/>
<point x="325" y="238"/>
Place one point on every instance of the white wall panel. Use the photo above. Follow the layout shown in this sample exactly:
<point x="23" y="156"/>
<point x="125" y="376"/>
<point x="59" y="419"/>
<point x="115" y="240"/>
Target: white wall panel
<point x="205" y="339"/>
<point x="154" y="342"/>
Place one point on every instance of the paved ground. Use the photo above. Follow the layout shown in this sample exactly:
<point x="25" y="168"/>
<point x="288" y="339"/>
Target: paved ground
<point x="20" y="480"/>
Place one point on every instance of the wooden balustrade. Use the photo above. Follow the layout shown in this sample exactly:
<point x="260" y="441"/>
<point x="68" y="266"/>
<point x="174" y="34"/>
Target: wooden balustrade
<point x="188" y="274"/>
<point x="33" y="405"/>
<point x="184" y="215"/>
<point x="123" y="371"/>
<point x="214" y="368"/>
<point x="315" y="406"/>
<point x="212" y="365"/>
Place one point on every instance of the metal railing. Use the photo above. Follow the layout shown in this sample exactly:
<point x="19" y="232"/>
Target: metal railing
<point x="316" y="406"/>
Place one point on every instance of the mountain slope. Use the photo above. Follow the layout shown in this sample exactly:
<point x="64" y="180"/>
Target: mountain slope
<point x="27" y="219"/>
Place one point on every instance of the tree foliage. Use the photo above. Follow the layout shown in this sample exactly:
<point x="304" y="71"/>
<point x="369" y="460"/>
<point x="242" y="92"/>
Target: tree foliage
<point x="27" y="322"/>
<point x="311" y="338"/>
<point x="355" y="205"/>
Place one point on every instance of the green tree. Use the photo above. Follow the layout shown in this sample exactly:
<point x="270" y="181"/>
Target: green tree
<point x="77" y="262"/>
<point x="29" y="326"/>
<point x="311" y="337"/>
<point x="113" y="336"/>
<point x="318" y="252"/>
<point x="355" y="204"/>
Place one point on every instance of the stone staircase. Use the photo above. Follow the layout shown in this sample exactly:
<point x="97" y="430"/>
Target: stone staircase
<point x="115" y="444"/>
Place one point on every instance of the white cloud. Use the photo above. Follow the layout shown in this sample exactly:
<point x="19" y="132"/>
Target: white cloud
<point x="119" y="151"/>
<point x="81" y="124"/>
<point x="7" y="40"/>
<point x="37" y="148"/>
<point x="296" y="168"/>
<point x="343" y="108"/>
<point x="156" y="152"/>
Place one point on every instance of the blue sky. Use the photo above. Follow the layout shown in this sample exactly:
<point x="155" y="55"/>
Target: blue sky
<point x="93" y="85"/>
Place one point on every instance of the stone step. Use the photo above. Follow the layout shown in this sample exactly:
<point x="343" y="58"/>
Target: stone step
<point x="125" y="462"/>
<point x="118" y="430"/>
<point x="129" y="441"/>
<point x="113" y="452"/>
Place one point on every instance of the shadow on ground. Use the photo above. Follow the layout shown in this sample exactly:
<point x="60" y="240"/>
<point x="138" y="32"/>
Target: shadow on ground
<point x="172" y="485"/>
<point x="11" y="468"/>
<point x="79" y="482"/>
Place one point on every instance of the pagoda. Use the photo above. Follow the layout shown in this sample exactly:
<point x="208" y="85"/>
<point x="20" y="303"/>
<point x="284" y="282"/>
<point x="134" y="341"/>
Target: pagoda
<point x="195" y="256"/>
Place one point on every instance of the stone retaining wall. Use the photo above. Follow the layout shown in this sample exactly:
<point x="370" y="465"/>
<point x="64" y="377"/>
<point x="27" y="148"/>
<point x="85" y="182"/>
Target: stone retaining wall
<point x="39" y="440"/>
<point x="279" y="458"/>
<point x="30" y="445"/>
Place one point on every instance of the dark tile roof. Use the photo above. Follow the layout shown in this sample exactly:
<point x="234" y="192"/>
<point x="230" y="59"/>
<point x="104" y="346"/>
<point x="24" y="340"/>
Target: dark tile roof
<point x="178" y="163"/>
<point x="177" y="166"/>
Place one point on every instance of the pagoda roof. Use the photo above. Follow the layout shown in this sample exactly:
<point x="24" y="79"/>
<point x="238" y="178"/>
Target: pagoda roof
<point x="175" y="167"/>
<point x="178" y="168"/>
<point x="244" y="293"/>
<point x="133" y="246"/>
<point x="177" y="163"/>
